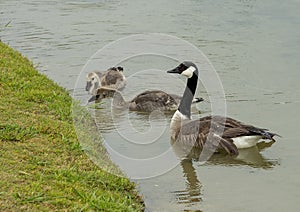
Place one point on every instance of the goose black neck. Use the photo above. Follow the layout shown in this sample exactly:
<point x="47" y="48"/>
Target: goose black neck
<point x="188" y="95"/>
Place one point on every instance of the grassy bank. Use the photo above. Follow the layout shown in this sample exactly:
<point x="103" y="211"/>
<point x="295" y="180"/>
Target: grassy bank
<point x="42" y="165"/>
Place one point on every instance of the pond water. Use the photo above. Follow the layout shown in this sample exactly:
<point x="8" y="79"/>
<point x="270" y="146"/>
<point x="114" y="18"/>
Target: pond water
<point x="255" y="49"/>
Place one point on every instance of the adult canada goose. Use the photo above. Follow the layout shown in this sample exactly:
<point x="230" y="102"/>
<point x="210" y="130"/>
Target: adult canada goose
<point x="215" y="132"/>
<point x="111" y="78"/>
<point x="146" y="101"/>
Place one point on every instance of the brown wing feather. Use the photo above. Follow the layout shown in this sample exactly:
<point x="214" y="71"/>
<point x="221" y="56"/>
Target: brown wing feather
<point x="233" y="128"/>
<point x="215" y="132"/>
<point x="229" y="146"/>
<point x="153" y="100"/>
<point x="235" y="132"/>
<point x="111" y="77"/>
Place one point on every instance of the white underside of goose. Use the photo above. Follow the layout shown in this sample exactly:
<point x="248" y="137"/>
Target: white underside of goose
<point x="243" y="142"/>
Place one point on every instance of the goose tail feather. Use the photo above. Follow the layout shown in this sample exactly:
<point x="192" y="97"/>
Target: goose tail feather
<point x="264" y="133"/>
<point x="269" y="135"/>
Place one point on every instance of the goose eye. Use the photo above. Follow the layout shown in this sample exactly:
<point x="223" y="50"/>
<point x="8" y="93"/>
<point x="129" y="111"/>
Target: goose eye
<point x="181" y="67"/>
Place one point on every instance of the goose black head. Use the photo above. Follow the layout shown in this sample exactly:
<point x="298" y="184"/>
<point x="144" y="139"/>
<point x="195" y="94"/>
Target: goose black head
<point x="120" y="68"/>
<point x="186" y="68"/>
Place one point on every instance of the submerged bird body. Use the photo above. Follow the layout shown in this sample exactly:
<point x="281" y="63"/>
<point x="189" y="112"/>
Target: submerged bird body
<point x="214" y="132"/>
<point x="153" y="100"/>
<point x="111" y="78"/>
<point x="146" y="101"/>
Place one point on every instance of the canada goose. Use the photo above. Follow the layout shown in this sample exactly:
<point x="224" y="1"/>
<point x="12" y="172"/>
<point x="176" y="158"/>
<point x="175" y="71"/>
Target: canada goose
<point x="146" y="101"/>
<point x="111" y="78"/>
<point x="215" y="132"/>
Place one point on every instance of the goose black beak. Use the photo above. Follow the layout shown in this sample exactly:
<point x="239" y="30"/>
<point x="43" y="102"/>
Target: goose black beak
<point x="199" y="99"/>
<point x="93" y="98"/>
<point x="88" y="85"/>
<point x="174" y="71"/>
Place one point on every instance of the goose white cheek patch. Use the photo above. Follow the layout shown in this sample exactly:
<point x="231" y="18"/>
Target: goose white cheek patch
<point x="189" y="72"/>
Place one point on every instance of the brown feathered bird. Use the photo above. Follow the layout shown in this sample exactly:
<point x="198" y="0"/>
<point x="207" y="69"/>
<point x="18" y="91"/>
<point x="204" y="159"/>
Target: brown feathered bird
<point x="111" y="78"/>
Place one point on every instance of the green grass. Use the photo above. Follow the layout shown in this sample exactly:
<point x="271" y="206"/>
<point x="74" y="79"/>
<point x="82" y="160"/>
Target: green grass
<point x="42" y="164"/>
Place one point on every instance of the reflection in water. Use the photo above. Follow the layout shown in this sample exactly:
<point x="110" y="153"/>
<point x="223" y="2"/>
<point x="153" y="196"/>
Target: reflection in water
<point x="191" y="195"/>
<point x="103" y="119"/>
<point x="247" y="157"/>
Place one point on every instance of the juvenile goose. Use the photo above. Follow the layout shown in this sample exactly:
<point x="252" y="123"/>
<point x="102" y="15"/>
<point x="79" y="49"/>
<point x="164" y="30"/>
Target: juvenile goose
<point x="215" y="132"/>
<point x="146" y="101"/>
<point x="111" y="78"/>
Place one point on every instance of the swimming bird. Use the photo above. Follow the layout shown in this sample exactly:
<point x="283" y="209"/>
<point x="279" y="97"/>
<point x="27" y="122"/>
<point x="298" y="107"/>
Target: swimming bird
<point x="111" y="78"/>
<point x="147" y="101"/>
<point x="215" y="132"/>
